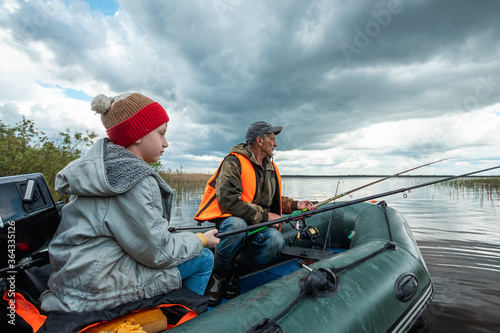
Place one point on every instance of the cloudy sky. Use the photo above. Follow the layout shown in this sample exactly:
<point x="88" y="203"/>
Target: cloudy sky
<point x="361" y="87"/>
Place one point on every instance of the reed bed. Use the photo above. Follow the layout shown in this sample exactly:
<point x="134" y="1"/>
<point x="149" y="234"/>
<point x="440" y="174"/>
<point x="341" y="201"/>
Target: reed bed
<point x="488" y="183"/>
<point x="489" y="186"/>
<point x="185" y="182"/>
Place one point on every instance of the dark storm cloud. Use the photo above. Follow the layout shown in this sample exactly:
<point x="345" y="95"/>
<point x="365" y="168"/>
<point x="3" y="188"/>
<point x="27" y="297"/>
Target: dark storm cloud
<point x="319" y="68"/>
<point x="67" y="36"/>
<point x="242" y="71"/>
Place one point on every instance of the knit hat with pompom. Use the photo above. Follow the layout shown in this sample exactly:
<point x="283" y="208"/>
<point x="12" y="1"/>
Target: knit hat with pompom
<point x="128" y="117"/>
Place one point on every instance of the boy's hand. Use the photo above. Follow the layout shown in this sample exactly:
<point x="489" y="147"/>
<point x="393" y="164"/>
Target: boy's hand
<point x="212" y="241"/>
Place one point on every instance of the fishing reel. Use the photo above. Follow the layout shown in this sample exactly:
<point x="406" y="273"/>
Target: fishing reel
<point x="309" y="233"/>
<point x="305" y="232"/>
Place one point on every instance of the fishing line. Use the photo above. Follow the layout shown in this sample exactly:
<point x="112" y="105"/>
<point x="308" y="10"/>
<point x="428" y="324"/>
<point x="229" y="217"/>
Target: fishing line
<point x="356" y="189"/>
<point x="303" y="215"/>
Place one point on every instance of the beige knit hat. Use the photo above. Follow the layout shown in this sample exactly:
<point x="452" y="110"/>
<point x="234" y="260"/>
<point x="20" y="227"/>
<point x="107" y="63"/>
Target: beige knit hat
<point x="128" y="117"/>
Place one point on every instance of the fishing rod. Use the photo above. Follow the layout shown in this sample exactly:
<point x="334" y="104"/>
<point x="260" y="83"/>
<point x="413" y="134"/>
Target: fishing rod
<point x="373" y="183"/>
<point x="303" y="215"/>
<point x="359" y="188"/>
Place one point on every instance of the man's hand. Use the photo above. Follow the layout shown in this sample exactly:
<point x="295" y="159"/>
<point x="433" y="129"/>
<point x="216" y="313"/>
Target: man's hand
<point x="305" y="204"/>
<point x="272" y="216"/>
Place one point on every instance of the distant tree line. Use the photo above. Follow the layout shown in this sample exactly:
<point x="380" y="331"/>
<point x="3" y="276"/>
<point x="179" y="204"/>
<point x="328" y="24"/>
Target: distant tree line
<point x="24" y="149"/>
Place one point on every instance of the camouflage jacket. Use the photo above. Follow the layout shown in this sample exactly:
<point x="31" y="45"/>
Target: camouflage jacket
<point x="267" y="197"/>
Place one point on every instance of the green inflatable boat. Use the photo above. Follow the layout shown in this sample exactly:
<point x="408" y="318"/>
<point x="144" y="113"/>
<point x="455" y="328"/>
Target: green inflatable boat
<point x="352" y="269"/>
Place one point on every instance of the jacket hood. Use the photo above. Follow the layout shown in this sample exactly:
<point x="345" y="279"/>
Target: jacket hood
<point x="107" y="169"/>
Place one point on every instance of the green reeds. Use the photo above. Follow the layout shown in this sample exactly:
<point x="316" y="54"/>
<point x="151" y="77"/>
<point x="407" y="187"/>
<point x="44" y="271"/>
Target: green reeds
<point x="488" y="186"/>
<point x="488" y="183"/>
<point x="185" y="182"/>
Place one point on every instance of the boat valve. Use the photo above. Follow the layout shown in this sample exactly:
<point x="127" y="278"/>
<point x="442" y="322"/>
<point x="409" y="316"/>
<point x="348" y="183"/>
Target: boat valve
<point x="320" y="282"/>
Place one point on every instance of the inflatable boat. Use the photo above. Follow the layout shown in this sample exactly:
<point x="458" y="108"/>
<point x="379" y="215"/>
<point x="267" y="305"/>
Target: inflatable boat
<point x="347" y="267"/>
<point x="352" y="269"/>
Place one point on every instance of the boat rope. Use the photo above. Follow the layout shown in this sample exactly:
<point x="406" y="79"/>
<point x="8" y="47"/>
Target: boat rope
<point x="309" y="289"/>
<point x="386" y="246"/>
<point x="268" y="325"/>
<point x="383" y="204"/>
<point x="310" y="286"/>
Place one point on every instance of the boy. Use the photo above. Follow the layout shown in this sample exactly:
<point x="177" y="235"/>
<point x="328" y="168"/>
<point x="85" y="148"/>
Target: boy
<point x="113" y="245"/>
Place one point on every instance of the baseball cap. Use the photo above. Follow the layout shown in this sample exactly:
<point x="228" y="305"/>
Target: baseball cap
<point x="260" y="128"/>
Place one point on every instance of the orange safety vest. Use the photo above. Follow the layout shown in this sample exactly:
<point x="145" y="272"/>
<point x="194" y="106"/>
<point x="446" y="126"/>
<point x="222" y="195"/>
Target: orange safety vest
<point x="209" y="208"/>
<point x="30" y="314"/>
<point x="25" y="310"/>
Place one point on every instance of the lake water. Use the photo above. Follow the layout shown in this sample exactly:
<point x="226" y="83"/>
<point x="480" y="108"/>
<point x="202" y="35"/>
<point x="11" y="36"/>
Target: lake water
<point x="458" y="232"/>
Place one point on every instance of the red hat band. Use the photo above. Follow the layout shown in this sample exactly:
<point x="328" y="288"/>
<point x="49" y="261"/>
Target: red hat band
<point x="146" y="120"/>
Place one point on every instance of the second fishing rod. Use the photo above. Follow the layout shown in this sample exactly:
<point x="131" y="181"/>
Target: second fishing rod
<point x="338" y="196"/>
<point x="303" y="215"/>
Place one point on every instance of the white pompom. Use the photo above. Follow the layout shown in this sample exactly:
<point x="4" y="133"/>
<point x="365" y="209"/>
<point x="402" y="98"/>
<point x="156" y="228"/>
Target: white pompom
<point x="101" y="104"/>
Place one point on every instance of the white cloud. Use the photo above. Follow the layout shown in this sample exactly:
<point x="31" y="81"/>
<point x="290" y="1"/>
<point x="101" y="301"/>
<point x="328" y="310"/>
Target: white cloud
<point x="409" y="97"/>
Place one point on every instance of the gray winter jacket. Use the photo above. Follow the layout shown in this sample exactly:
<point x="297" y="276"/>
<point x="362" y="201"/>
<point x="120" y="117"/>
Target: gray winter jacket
<point x="112" y="245"/>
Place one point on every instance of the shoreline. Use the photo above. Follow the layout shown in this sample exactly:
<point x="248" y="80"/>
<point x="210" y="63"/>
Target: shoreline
<point x="403" y="176"/>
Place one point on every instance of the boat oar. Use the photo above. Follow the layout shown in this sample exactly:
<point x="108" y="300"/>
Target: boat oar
<point x="359" y="188"/>
<point x="307" y="214"/>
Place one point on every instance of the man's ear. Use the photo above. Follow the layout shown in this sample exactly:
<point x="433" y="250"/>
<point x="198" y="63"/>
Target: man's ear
<point x="259" y="140"/>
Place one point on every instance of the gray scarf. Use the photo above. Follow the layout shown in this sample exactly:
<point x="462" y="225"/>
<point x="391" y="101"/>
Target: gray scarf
<point x="124" y="169"/>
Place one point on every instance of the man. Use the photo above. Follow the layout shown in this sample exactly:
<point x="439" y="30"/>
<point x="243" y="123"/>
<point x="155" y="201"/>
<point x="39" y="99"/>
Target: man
<point x="246" y="190"/>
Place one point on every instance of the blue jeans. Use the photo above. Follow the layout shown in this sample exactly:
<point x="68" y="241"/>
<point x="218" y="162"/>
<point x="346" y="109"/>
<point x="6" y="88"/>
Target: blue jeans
<point x="262" y="247"/>
<point x="196" y="272"/>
